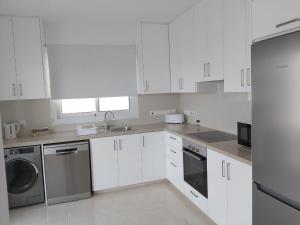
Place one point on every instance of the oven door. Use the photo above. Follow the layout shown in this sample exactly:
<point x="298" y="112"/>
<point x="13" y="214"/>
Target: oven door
<point x="195" y="171"/>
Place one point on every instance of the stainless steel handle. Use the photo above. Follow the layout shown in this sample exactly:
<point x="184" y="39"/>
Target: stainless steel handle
<point x="288" y="22"/>
<point x="208" y="69"/>
<point x="120" y="144"/>
<point x="147" y="85"/>
<point x="66" y="151"/>
<point x="248" y="77"/>
<point x="115" y="146"/>
<point x="194" y="194"/>
<point x="143" y="141"/>
<point x="171" y="150"/>
<point x="228" y="172"/>
<point x="173" y="138"/>
<point x="223" y="168"/>
<point x="179" y="83"/>
<point x="204" y="65"/>
<point x="14" y="90"/>
<point x="173" y="164"/>
<point x="21" y="89"/>
<point x="242" y="77"/>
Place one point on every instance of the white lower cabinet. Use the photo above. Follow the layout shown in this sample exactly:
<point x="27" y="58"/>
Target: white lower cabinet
<point x="229" y="190"/>
<point x="194" y="196"/>
<point x="153" y="156"/>
<point x="116" y="161"/>
<point x="175" y="173"/>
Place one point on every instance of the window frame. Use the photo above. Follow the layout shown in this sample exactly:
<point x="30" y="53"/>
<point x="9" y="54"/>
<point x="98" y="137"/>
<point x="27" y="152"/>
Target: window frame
<point x="57" y="117"/>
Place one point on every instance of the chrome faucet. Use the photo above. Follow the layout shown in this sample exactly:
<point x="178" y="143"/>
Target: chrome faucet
<point x="106" y="120"/>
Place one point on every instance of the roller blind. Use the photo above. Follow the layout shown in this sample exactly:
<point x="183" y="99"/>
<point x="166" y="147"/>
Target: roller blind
<point x="79" y="71"/>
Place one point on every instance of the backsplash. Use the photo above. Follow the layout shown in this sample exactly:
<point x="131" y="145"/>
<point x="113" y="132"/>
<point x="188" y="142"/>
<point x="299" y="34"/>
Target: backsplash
<point x="37" y="113"/>
<point x="218" y="110"/>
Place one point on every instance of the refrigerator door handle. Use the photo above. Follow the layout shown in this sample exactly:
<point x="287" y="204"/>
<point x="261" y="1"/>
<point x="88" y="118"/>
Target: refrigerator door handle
<point x="278" y="197"/>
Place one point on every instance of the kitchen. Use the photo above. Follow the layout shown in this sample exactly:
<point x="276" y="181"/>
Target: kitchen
<point x="116" y="112"/>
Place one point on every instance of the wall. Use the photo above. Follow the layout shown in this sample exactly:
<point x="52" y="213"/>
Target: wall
<point x="37" y="113"/>
<point x="4" y="213"/>
<point x="218" y="110"/>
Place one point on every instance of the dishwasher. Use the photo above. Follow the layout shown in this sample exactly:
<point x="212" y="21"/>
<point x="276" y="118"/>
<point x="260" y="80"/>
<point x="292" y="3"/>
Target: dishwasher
<point x="67" y="172"/>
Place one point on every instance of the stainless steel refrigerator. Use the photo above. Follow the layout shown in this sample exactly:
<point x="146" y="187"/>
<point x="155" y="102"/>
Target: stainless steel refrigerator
<point x="276" y="130"/>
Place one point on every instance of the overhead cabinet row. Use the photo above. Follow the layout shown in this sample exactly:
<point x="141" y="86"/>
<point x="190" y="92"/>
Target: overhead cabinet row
<point x="22" y="73"/>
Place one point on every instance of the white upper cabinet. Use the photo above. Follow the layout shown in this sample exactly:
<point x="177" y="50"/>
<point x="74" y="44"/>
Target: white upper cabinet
<point x="23" y="73"/>
<point x="237" y="45"/>
<point x="275" y="17"/>
<point x="209" y="33"/>
<point x="8" y="78"/>
<point x="153" y="59"/>
<point x="153" y="151"/>
<point x="182" y="54"/>
<point x="29" y="58"/>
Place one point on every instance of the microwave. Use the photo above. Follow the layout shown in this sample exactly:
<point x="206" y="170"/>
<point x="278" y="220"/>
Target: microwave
<point x="244" y="134"/>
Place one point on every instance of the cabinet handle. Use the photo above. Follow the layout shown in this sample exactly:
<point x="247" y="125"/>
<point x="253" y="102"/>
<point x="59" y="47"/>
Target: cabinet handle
<point x="147" y="85"/>
<point x="194" y="194"/>
<point x="204" y="65"/>
<point x="171" y="150"/>
<point x="21" y="89"/>
<point x="287" y="22"/>
<point x="208" y="69"/>
<point x="173" y="164"/>
<point x="248" y="77"/>
<point x="115" y="145"/>
<point x="120" y="144"/>
<point x="228" y="172"/>
<point x="14" y="90"/>
<point x="223" y="168"/>
<point x="242" y="78"/>
<point x="143" y="141"/>
<point x="173" y="138"/>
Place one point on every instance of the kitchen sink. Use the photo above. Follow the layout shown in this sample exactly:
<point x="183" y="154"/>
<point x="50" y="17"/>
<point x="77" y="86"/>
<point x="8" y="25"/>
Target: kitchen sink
<point x="120" y="129"/>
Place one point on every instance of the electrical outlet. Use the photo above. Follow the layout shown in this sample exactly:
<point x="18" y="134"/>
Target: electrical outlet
<point x="189" y="113"/>
<point x="161" y="112"/>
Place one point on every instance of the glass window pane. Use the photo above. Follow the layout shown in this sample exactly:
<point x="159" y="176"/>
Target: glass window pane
<point x="83" y="105"/>
<point x="114" y="103"/>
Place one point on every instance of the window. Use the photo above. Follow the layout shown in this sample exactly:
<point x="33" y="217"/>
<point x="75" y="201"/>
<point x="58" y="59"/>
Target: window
<point x="114" y="103"/>
<point x="68" y="111"/>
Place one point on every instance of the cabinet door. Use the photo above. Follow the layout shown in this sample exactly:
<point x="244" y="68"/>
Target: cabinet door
<point x="153" y="156"/>
<point x="182" y="55"/>
<point x="156" y="64"/>
<point x="29" y="58"/>
<point x="217" y="187"/>
<point x="130" y="160"/>
<point x="235" y="44"/>
<point x="270" y="18"/>
<point x="104" y="162"/>
<point x="214" y="40"/>
<point x="239" y="193"/>
<point x="7" y="61"/>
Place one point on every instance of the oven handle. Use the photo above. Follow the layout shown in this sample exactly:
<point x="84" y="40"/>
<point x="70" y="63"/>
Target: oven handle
<point x="198" y="157"/>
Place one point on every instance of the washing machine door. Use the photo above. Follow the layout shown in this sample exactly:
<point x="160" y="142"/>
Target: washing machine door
<point x="21" y="175"/>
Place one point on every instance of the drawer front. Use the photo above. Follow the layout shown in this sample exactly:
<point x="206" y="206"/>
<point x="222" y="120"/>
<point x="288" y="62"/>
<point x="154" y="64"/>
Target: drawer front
<point x="173" y="140"/>
<point x="174" y="173"/>
<point x="175" y="154"/>
<point x="194" y="196"/>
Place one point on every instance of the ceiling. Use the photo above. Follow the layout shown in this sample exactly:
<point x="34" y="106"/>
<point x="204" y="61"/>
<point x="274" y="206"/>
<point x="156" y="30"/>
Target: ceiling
<point x="98" y="10"/>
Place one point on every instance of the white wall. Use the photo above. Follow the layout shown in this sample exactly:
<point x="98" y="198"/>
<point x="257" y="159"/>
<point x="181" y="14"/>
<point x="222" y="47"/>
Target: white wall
<point x="218" y="110"/>
<point x="90" y="33"/>
<point x="4" y="213"/>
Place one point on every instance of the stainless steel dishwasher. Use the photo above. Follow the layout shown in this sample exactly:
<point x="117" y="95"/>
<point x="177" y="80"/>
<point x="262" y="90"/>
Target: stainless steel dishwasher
<point x="67" y="172"/>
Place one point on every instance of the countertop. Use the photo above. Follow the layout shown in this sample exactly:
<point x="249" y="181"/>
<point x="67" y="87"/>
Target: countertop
<point x="229" y="148"/>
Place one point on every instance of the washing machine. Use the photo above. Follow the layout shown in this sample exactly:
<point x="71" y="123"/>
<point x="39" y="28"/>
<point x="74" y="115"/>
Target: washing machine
<point x="24" y="174"/>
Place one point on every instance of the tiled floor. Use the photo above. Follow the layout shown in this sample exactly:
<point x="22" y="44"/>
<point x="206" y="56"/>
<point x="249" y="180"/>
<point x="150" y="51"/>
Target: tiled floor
<point x="155" y="204"/>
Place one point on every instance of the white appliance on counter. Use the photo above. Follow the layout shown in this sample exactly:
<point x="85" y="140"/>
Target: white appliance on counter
<point x="174" y="118"/>
<point x="11" y="130"/>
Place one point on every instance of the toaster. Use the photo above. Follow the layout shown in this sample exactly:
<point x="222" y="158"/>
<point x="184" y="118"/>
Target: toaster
<point x="174" y="118"/>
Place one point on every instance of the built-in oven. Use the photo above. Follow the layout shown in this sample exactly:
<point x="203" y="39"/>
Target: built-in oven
<point x="195" y="166"/>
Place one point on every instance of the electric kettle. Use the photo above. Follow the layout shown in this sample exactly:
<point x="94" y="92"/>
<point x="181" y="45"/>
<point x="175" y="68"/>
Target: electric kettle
<point x="11" y="130"/>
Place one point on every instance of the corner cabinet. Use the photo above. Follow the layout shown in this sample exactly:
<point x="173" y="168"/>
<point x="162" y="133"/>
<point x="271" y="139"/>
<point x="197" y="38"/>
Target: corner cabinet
<point x="153" y="58"/>
<point x="237" y="45"/>
<point x="274" y="18"/>
<point x="229" y="190"/>
<point x="22" y="71"/>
